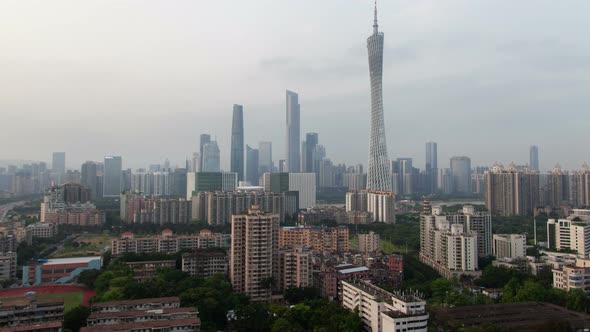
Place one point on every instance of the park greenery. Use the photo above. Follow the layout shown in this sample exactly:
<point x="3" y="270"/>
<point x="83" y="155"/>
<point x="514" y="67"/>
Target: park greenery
<point x="215" y="299"/>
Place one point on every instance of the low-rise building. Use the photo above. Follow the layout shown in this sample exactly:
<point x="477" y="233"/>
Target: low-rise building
<point x="573" y="276"/>
<point x="205" y="263"/>
<point x="168" y="242"/>
<point x="317" y="238"/>
<point x="369" y="243"/>
<point x="24" y="311"/>
<point x="184" y="325"/>
<point x="157" y="303"/>
<point x="509" y="245"/>
<point x="41" y="230"/>
<point x="148" y="270"/>
<point x="7" y="265"/>
<point x="58" y="270"/>
<point x="137" y="316"/>
<point x="572" y="233"/>
<point x="34" y="327"/>
<point x="382" y="311"/>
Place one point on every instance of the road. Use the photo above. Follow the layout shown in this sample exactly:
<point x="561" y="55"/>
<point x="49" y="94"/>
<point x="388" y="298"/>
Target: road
<point x="7" y="207"/>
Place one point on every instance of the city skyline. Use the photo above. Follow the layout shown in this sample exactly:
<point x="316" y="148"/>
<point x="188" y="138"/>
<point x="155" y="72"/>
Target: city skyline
<point x="433" y="49"/>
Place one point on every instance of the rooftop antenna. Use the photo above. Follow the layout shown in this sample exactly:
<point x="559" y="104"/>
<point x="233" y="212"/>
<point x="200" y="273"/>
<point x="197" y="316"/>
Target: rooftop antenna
<point x="375" y="25"/>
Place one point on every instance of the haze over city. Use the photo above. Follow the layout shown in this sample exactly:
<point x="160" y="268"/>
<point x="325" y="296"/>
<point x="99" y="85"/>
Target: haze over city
<point x="144" y="79"/>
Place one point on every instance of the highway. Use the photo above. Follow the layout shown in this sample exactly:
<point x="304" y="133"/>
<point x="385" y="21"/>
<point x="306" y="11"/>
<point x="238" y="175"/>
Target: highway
<point x="7" y="207"/>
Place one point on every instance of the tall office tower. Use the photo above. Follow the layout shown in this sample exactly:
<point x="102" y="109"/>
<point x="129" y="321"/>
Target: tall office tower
<point x="581" y="187"/>
<point x="405" y="179"/>
<point x="58" y="167"/>
<point x="59" y="162"/>
<point x="534" y="158"/>
<point x="237" y="142"/>
<point x="293" y="132"/>
<point x="282" y="165"/>
<point x="318" y="155"/>
<point x="211" y="161"/>
<point x="265" y="157"/>
<point x="378" y="176"/>
<point x="204" y="139"/>
<point x="252" y="161"/>
<point x="113" y="176"/>
<point x="254" y="254"/>
<point x="461" y="170"/>
<point x="311" y="140"/>
<point x="511" y="192"/>
<point x="431" y="167"/>
<point x="196" y="163"/>
<point x="90" y="173"/>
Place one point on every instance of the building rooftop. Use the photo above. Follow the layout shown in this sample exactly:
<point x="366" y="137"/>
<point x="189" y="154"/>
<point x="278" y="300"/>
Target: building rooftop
<point x="32" y="327"/>
<point x="139" y="313"/>
<point x="71" y="260"/>
<point x="520" y="316"/>
<point x="142" y="325"/>
<point x="138" y="301"/>
<point x="354" y="270"/>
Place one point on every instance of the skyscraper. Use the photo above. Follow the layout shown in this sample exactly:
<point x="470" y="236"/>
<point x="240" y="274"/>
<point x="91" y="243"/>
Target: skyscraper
<point x="378" y="177"/>
<point x="90" y="177"/>
<point x="204" y="139"/>
<point x="461" y="170"/>
<point x="311" y="140"/>
<point x="431" y="167"/>
<point x="237" y="142"/>
<point x="534" y="158"/>
<point x="265" y="157"/>
<point x="293" y="132"/>
<point x="113" y="176"/>
<point x="252" y="161"/>
<point x="58" y="165"/>
<point x="211" y="162"/>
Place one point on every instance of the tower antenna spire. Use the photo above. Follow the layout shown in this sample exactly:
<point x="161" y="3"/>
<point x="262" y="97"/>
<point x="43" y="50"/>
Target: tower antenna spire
<point x="375" y="25"/>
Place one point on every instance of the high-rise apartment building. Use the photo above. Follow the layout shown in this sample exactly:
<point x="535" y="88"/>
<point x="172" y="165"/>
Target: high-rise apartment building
<point x="335" y="239"/>
<point x="571" y="233"/>
<point x="581" y="187"/>
<point x="378" y="176"/>
<point x="113" y="176"/>
<point x="252" y="165"/>
<point x="237" y="142"/>
<point x="431" y="167"/>
<point x="265" y="157"/>
<point x="511" y="192"/>
<point x="509" y="245"/>
<point x="534" y="158"/>
<point x="447" y="245"/>
<point x="461" y="171"/>
<point x="254" y="254"/>
<point x="555" y="188"/>
<point x="295" y="268"/>
<point x="211" y="158"/>
<point x="293" y="132"/>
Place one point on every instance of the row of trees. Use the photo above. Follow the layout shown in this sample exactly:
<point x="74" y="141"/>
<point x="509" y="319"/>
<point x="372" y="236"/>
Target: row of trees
<point x="215" y="299"/>
<point x="516" y="286"/>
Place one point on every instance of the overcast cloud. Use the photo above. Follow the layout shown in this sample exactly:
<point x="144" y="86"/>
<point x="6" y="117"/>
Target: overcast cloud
<point x="143" y="79"/>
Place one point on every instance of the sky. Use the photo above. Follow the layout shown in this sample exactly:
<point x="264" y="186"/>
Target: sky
<point x="144" y="78"/>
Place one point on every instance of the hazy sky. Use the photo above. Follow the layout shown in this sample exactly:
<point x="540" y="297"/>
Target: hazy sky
<point x="143" y="79"/>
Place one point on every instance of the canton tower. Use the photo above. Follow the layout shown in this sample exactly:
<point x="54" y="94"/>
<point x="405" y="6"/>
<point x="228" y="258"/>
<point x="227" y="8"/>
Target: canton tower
<point x="378" y="177"/>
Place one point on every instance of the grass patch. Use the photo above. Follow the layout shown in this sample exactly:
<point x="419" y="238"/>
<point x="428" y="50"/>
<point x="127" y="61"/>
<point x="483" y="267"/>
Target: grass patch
<point x="390" y="248"/>
<point x="85" y="245"/>
<point x="71" y="300"/>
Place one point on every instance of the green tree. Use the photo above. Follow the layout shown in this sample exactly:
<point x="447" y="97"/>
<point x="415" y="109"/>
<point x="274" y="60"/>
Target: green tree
<point x="88" y="277"/>
<point x="285" y="325"/>
<point x="440" y="289"/>
<point x="531" y="291"/>
<point x="76" y="318"/>
<point x="577" y="300"/>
